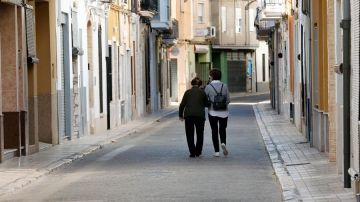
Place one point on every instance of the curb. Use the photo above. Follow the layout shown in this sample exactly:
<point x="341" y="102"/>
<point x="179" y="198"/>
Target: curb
<point x="289" y="190"/>
<point x="39" y="173"/>
<point x="248" y="94"/>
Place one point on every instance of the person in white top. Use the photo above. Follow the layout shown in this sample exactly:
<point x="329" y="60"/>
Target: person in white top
<point x="218" y="116"/>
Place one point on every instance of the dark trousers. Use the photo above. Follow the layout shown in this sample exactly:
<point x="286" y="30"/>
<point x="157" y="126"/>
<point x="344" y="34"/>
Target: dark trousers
<point x="192" y="122"/>
<point x="218" y="127"/>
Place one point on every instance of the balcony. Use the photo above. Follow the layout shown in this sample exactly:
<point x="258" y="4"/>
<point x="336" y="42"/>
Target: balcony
<point x="264" y="30"/>
<point x="272" y="9"/>
<point x="170" y="37"/>
<point x="149" y="5"/>
<point x="161" y="21"/>
<point x="148" y="8"/>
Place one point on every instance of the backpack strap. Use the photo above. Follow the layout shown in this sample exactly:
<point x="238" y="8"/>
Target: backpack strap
<point x="220" y="89"/>
<point x="215" y="89"/>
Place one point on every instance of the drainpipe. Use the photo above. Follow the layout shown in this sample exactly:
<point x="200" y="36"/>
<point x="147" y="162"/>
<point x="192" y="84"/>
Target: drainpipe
<point x="345" y="25"/>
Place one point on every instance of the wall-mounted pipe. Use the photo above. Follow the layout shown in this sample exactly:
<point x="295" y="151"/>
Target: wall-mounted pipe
<point x="345" y="25"/>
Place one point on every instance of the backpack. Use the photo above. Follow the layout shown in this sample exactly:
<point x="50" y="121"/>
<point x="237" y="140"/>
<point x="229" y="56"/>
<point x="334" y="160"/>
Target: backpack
<point x="219" y="102"/>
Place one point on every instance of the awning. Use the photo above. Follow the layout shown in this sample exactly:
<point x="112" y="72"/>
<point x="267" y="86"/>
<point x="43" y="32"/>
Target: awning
<point x="15" y="2"/>
<point x="201" y="48"/>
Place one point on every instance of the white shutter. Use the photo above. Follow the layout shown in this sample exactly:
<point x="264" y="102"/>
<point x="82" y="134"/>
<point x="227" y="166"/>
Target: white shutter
<point x="61" y="97"/>
<point x="238" y="20"/>
<point x="223" y="19"/>
<point x="355" y="82"/>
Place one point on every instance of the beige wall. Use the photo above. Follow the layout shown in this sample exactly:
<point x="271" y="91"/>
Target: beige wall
<point x="43" y="47"/>
<point x="184" y="18"/>
<point x="206" y="18"/>
<point x="332" y="87"/>
<point x="230" y="36"/>
<point x="113" y="23"/>
<point x="46" y="96"/>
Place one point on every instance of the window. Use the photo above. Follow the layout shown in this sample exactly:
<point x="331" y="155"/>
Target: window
<point x="306" y="7"/>
<point x="200" y="12"/>
<point x="100" y="70"/>
<point x="238" y="20"/>
<point x="223" y="19"/>
<point x="263" y="66"/>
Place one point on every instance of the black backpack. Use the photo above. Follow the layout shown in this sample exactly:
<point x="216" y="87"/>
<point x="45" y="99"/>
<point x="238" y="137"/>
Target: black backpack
<point x="219" y="102"/>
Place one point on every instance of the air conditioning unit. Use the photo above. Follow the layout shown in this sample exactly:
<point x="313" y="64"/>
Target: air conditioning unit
<point x="211" y="32"/>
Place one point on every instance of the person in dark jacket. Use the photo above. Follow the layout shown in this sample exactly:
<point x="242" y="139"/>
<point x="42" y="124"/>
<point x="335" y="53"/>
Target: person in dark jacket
<point x="218" y="118"/>
<point x="192" y="109"/>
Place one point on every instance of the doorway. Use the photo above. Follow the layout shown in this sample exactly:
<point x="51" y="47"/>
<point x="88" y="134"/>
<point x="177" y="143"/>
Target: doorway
<point x="237" y="76"/>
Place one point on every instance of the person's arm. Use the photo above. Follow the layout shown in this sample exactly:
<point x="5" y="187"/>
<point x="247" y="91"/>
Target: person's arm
<point x="207" y="96"/>
<point x="227" y="94"/>
<point x="206" y="100"/>
<point x="182" y="106"/>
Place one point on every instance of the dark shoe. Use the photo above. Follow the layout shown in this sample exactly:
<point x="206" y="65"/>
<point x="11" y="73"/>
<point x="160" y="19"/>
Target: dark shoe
<point x="192" y="156"/>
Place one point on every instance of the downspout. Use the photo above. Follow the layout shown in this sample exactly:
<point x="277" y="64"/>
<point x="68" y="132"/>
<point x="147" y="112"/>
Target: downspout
<point x="345" y="25"/>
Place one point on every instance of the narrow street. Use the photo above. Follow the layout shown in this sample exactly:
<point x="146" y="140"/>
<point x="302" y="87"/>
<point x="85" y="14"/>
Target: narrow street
<point x="153" y="165"/>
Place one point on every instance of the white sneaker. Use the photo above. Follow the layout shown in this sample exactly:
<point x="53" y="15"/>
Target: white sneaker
<point x="223" y="147"/>
<point x="217" y="154"/>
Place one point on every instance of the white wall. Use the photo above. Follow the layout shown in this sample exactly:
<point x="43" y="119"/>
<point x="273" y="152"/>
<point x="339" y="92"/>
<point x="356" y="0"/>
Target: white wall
<point x="263" y="49"/>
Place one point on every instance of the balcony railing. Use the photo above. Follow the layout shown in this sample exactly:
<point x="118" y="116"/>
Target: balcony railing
<point x="272" y="9"/>
<point x="173" y="32"/>
<point x="272" y="2"/>
<point x="170" y="37"/>
<point x="149" y="5"/>
<point x="264" y="28"/>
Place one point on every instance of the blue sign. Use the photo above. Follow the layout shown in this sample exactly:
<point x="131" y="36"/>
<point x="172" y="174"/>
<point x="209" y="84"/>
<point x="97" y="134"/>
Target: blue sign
<point x="249" y="69"/>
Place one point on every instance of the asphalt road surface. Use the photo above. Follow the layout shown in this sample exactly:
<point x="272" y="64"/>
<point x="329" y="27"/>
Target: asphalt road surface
<point x="153" y="165"/>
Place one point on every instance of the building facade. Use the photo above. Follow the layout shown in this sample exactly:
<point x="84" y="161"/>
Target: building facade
<point x="311" y="55"/>
<point x="236" y="50"/>
<point x="14" y="113"/>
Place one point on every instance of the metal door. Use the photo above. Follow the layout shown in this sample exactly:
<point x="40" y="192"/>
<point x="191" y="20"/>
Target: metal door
<point x="83" y="104"/>
<point x="108" y="85"/>
<point x="173" y="81"/>
<point x="64" y="96"/>
<point x="202" y="71"/>
<point x="237" y="76"/>
<point x="355" y="88"/>
<point x="61" y="98"/>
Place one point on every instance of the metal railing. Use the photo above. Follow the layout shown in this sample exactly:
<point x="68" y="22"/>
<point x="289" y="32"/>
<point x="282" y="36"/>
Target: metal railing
<point x="266" y="3"/>
<point x="149" y="5"/>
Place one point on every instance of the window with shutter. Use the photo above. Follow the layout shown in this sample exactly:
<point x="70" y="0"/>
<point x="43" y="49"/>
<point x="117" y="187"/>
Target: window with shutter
<point x="30" y="39"/>
<point x="238" y="20"/>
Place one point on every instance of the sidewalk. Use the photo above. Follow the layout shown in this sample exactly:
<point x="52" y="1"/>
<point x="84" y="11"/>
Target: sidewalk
<point x="305" y="174"/>
<point x="19" y="172"/>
